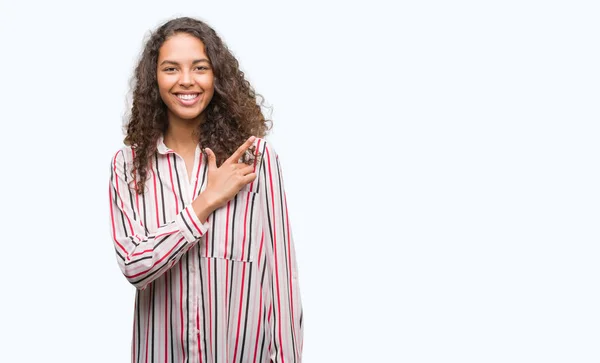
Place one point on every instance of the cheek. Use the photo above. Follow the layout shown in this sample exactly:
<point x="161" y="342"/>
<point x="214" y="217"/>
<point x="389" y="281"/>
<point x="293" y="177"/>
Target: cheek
<point x="207" y="83"/>
<point x="164" y="84"/>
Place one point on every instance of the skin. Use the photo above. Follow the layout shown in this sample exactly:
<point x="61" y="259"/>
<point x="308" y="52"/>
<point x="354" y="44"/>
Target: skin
<point x="184" y="68"/>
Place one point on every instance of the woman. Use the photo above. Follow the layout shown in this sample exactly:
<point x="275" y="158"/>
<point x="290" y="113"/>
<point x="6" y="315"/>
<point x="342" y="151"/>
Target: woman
<point x="198" y="210"/>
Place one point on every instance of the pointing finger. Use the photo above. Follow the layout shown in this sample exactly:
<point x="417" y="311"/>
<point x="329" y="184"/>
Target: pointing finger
<point x="241" y="150"/>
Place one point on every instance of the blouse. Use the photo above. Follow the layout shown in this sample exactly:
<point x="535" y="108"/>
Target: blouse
<point x="225" y="290"/>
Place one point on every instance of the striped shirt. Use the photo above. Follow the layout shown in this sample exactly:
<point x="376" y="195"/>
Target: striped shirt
<point x="225" y="290"/>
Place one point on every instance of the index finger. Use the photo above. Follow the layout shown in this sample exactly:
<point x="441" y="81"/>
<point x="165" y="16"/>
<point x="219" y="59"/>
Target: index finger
<point x="241" y="150"/>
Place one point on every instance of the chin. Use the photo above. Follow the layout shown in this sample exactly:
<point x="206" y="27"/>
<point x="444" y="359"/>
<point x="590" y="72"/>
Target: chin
<point x="188" y="114"/>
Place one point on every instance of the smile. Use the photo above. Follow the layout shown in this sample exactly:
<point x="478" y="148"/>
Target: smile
<point x="188" y="96"/>
<point x="188" y="99"/>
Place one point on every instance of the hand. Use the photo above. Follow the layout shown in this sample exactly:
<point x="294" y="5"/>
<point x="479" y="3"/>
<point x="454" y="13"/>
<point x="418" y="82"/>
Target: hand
<point x="227" y="180"/>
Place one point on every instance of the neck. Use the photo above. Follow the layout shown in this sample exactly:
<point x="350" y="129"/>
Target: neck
<point x="182" y="135"/>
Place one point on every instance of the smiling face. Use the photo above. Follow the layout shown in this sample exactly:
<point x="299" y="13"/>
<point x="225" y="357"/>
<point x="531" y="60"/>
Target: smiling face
<point x="185" y="77"/>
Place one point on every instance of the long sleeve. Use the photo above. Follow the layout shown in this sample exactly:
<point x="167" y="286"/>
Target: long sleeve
<point x="286" y="323"/>
<point x="145" y="255"/>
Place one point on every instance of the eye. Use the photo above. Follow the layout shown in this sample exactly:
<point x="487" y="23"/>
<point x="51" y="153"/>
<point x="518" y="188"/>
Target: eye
<point x="202" y="68"/>
<point x="169" y="69"/>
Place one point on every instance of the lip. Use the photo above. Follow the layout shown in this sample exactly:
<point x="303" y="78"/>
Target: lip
<point x="188" y="103"/>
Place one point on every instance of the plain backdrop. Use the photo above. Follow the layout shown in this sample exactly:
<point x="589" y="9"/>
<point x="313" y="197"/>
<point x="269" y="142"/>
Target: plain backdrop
<point x="440" y="161"/>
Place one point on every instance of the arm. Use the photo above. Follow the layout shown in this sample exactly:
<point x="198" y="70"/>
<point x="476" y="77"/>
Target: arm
<point x="286" y="324"/>
<point x="145" y="255"/>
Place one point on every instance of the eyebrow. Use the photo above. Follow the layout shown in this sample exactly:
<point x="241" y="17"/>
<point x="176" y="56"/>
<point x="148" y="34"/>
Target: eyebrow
<point x="194" y="62"/>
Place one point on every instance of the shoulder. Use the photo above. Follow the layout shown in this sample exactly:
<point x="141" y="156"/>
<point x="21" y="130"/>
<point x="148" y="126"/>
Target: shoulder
<point x="265" y="147"/>
<point x="122" y="158"/>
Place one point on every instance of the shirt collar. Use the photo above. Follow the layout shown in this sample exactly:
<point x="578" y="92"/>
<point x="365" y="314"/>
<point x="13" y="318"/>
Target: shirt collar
<point x="161" y="147"/>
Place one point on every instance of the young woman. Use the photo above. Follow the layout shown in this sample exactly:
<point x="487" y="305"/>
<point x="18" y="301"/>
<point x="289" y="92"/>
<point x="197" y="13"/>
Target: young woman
<point x="198" y="210"/>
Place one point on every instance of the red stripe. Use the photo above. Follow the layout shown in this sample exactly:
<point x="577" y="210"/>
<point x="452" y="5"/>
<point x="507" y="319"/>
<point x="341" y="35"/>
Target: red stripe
<point x="119" y="195"/>
<point x="269" y="320"/>
<point x="198" y="328"/>
<point x="197" y="173"/>
<point x="226" y="302"/>
<point x="112" y="219"/>
<point x="226" y="230"/>
<point x="262" y="238"/>
<point x="275" y="254"/>
<point x="140" y="253"/>
<point x="245" y="218"/>
<point x="255" y="156"/>
<point x="173" y="185"/>
<point x="166" y="314"/>
<point x="194" y="223"/>
<point x="258" y="329"/>
<point x="156" y="262"/>
<point x="210" y="306"/>
<point x="164" y="234"/>
<point x="181" y="307"/>
<point x="148" y="324"/>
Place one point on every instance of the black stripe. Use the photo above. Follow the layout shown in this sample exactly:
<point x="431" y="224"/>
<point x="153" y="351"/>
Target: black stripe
<point x="144" y="209"/>
<point x="141" y="258"/>
<point x="248" y="292"/>
<point x="170" y="332"/>
<point x="261" y="165"/>
<point x="187" y="307"/>
<point x="249" y="243"/>
<point x="262" y="281"/>
<point x="216" y="313"/>
<point x="144" y="258"/>
<point x="112" y="177"/>
<point x="153" y="323"/>
<point x="131" y="238"/>
<point x="119" y="254"/>
<point x="301" y="316"/>
<point x="266" y="199"/>
<point x="178" y="182"/>
<point x="161" y="241"/>
<point x="139" y="329"/>
<point x="187" y="225"/>
<point x="138" y="260"/>
<point x="264" y="272"/>
<point x="212" y="239"/>
<point x="204" y="173"/>
<point x="233" y="227"/>
<point x="274" y="333"/>
<point x="204" y="320"/>
<point x="262" y="344"/>
<point x="162" y="192"/>
<point x="230" y="288"/>
<point x="129" y="189"/>
<point x="173" y="256"/>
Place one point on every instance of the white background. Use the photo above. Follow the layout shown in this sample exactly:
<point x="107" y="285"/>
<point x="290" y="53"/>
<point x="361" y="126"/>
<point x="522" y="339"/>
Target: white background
<point x="440" y="161"/>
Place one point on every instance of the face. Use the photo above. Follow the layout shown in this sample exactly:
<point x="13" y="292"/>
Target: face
<point x="185" y="77"/>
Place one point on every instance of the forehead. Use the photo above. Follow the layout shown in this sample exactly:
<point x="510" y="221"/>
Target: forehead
<point x="182" y="47"/>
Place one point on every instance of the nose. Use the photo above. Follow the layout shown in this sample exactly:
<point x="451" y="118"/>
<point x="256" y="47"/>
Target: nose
<point x="186" y="79"/>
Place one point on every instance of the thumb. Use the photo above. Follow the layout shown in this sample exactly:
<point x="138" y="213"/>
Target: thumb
<point x="212" y="160"/>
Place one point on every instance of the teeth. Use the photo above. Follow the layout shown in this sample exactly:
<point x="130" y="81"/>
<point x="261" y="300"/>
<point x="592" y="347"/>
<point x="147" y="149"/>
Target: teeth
<point x="187" y="97"/>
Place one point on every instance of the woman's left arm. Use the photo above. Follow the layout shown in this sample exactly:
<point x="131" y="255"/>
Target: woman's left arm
<point x="286" y="321"/>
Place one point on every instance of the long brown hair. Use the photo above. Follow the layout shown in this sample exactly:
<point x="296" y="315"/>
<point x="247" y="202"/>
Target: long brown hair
<point x="231" y="117"/>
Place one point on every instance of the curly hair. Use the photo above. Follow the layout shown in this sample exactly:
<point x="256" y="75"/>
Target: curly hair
<point x="231" y="117"/>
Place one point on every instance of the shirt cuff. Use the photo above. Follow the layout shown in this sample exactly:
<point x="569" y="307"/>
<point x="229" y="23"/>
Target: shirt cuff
<point x="190" y="225"/>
